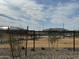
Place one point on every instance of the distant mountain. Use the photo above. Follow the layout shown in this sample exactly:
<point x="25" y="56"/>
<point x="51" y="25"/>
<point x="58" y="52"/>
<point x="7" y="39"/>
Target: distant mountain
<point x="55" y="29"/>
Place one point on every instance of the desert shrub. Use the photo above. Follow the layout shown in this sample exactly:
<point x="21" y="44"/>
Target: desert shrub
<point x="53" y="38"/>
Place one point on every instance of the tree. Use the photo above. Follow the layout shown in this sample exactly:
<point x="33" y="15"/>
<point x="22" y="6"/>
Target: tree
<point x="53" y="38"/>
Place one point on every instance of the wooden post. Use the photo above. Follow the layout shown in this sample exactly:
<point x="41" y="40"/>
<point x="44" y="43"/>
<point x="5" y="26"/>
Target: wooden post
<point x="33" y="40"/>
<point x="26" y="41"/>
<point x="18" y="47"/>
<point x="73" y="40"/>
<point x="11" y="46"/>
<point x="63" y="34"/>
<point x="49" y="42"/>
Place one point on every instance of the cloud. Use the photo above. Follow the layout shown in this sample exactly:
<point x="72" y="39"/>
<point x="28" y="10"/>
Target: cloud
<point x="62" y="13"/>
<point x="25" y="13"/>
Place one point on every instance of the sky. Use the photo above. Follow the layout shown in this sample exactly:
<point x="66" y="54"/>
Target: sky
<point x="40" y="14"/>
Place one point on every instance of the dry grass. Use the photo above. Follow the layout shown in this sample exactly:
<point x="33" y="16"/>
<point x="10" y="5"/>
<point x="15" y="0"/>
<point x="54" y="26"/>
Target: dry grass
<point x="62" y="43"/>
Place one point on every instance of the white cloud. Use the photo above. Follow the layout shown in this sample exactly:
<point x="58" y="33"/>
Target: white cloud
<point x="61" y="13"/>
<point x="25" y="12"/>
<point x="28" y="12"/>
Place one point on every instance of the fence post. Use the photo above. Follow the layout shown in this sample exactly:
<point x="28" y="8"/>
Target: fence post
<point x="33" y="40"/>
<point x="10" y="42"/>
<point x="26" y="41"/>
<point x="73" y="40"/>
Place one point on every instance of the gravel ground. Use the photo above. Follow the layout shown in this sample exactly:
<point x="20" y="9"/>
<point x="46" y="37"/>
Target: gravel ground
<point x="42" y="54"/>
